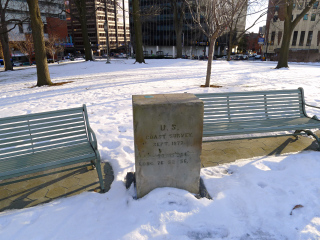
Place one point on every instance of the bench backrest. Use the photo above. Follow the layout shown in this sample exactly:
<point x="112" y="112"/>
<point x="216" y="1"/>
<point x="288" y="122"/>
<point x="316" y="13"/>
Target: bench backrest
<point x="252" y="106"/>
<point x="31" y="133"/>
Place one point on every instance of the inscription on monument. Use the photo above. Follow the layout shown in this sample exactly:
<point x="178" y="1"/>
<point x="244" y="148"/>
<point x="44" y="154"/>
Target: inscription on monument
<point x="167" y="145"/>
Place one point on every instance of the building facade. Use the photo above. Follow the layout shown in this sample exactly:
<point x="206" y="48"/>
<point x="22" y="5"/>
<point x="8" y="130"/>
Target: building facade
<point x="52" y="16"/>
<point x="159" y="33"/>
<point x="305" y="39"/>
<point x="107" y="24"/>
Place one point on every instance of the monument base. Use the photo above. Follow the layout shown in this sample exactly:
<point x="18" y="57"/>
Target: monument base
<point x="167" y="141"/>
<point x="131" y="179"/>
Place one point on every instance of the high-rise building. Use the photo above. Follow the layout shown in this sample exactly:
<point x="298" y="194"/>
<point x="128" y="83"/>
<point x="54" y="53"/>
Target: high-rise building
<point x="159" y="33"/>
<point x="305" y="38"/>
<point x="107" y="24"/>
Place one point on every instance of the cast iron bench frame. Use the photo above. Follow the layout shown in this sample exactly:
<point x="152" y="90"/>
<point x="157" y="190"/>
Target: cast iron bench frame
<point x="239" y="113"/>
<point x="38" y="142"/>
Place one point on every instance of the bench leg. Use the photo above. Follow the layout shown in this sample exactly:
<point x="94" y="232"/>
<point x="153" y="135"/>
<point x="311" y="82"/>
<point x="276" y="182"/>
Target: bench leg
<point x="98" y="167"/>
<point x="309" y="133"/>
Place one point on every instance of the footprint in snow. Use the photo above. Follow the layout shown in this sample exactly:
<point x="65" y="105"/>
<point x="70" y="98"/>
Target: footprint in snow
<point x="122" y="129"/>
<point x="128" y="149"/>
<point x="262" y="184"/>
<point x="111" y="144"/>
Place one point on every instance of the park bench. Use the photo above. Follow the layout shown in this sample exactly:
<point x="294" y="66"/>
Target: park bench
<point x="232" y="115"/>
<point x="38" y="142"/>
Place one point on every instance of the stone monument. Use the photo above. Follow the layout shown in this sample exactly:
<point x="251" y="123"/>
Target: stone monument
<point x="167" y="140"/>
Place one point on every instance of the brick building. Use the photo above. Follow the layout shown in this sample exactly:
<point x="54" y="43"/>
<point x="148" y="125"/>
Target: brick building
<point x="305" y="39"/>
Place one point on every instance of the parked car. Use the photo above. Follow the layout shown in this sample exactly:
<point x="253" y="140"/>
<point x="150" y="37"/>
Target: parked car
<point x="223" y="58"/>
<point x="203" y="57"/>
<point x="257" y="57"/>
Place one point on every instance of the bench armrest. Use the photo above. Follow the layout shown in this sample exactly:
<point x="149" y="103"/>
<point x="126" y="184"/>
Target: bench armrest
<point x="92" y="138"/>
<point x="312" y="106"/>
<point x="314" y="117"/>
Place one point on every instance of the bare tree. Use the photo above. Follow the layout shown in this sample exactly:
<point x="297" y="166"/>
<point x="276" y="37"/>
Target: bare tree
<point x="253" y="7"/>
<point x="289" y="24"/>
<point x="54" y="46"/>
<point x="38" y="39"/>
<point x="213" y="17"/>
<point x="26" y="46"/>
<point x="5" y="21"/>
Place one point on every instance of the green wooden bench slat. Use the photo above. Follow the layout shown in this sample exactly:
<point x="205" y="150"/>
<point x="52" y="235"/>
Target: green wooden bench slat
<point x="16" y="153"/>
<point x="48" y="156"/>
<point x="238" y="113"/>
<point x="232" y="99"/>
<point x="56" y="118"/>
<point x="12" y="139"/>
<point x="37" y="115"/>
<point x="41" y="133"/>
<point x="15" y="149"/>
<point x="58" y="145"/>
<point x="249" y="106"/>
<point x="13" y="125"/>
<point x="56" y="128"/>
<point x="61" y="124"/>
<point x="252" y="111"/>
<point x="37" y="139"/>
<point x="15" y="144"/>
<point x="252" y="117"/>
<point x="271" y="92"/>
<point x="15" y="131"/>
<point x="67" y="141"/>
<point x="47" y="165"/>
<point x="41" y="141"/>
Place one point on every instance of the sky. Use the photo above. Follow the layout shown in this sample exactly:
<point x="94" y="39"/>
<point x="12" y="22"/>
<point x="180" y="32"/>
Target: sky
<point x="258" y="8"/>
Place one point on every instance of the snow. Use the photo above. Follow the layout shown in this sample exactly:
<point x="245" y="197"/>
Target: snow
<point x="255" y="198"/>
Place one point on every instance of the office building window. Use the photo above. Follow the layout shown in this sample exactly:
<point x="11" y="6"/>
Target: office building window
<point x="318" y="39"/>
<point x="305" y="17"/>
<point x="302" y="38"/>
<point x="294" y="39"/>
<point x="279" y="37"/>
<point x="313" y="17"/>
<point x="273" y="35"/>
<point x="309" y="39"/>
<point x="20" y="28"/>
<point x="315" y="5"/>
<point x="275" y="18"/>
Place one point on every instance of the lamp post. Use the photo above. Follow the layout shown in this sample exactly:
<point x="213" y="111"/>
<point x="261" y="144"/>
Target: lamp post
<point x="107" y="44"/>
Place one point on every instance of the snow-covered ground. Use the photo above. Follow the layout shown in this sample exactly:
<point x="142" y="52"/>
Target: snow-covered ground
<point x="252" y="198"/>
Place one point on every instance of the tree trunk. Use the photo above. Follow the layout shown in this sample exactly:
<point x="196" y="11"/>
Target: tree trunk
<point x="230" y="45"/>
<point x="288" y="28"/>
<point x="210" y="57"/>
<point x="5" y="44"/>
<point x="284" y="50"/>
<point x="179" y="42"/>
<point x="6" y="51"/>
<point x="178" y="16"/>
<point x="81" y="6"/>
<point x="137" y="31"/>
<point x="287" y="32"/>
<point x="38" y="40"/>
